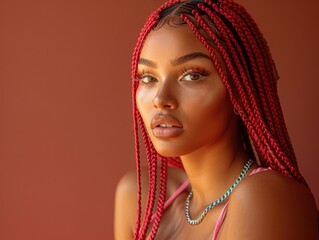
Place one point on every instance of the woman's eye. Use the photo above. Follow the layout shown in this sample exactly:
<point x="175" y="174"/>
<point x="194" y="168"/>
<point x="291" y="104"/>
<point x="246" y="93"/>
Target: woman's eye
<point x="147" y="79"/>
<point x="192" y="76"/>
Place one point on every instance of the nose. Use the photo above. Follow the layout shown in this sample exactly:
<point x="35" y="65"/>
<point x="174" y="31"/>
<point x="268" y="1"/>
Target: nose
<point x="165" y="98"/>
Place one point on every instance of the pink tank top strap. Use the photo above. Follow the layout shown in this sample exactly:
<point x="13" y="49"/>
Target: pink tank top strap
<point x="220" y="221"/>
<point x="222" y="215"/>
<point x="260" y="169"/>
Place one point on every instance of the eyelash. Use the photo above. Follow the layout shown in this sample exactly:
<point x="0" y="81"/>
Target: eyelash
<point x="142" y="75"/>
<point x="194" y="70"/>
<point x="184" y="72"/>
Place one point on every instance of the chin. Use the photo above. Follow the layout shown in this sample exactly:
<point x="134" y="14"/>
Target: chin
<point x="167" y="152"/>
<point x="169" y="149"/>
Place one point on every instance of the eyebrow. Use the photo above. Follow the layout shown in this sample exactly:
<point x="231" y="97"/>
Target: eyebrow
<point x="178" y="61"/>
<point x="147" y="62"/>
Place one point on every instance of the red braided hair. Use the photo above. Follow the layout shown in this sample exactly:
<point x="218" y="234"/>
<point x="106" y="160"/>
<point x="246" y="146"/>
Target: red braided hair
<point x="244" y="62"/>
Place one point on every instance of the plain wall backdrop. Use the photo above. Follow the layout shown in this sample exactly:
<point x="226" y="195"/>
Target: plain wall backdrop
<point x="65" y="106"/>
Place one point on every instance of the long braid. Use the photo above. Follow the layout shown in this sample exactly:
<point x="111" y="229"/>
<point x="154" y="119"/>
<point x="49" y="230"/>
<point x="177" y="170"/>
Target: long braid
<point x="250" y="92"/>
<point x="152" y="176"/>
<point x="137" y="116"/>
<point x="220" y="70"/>
<point x="152" y="164"/>
<point x="232" y="71"/>
<point x="216" y="64"/>
<point x="223" y="76"/>
<point x="234" y="48"/>
<point x="284" y="159"/>
<point x="138" y="162"/>
<point x="141" y="229"/>
<point x="250" y="80"/>
<point x="161" y="199"/>
<point x="270" y="85"/>
<point x="279" y="153"/>
<point x="137" y="119"/>
<point x="271" y="69"/>
<point x="228" y="34"/>
<point x="238" y="60"/>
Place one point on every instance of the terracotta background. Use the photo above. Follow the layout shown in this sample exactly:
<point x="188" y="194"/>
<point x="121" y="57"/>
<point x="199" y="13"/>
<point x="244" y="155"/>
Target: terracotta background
<point x="65" y="106"/>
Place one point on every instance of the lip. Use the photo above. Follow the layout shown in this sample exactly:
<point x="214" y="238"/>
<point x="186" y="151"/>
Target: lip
<point x="166" y="126"/>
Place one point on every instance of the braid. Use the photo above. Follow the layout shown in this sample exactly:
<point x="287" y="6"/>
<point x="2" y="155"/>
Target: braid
<point x="285" y="166"/>
<point x="228" y="62"/>
<point x="137" y="157"/>
<point x="152" y="164"/>
<point x="275" y="119"/>
<point x="138" y="120"/>
<point x="231" y="70"/>
<point x="285" y="161"/>
<point x="175" y="162"/>
<point x="161" y="200"/>
<point x="141" y="228"/>
<point x="270" y="69"/>
<point x="243" y="60"/>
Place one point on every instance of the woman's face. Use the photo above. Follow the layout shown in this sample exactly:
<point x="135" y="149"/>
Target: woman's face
<point x="181" y="98"/>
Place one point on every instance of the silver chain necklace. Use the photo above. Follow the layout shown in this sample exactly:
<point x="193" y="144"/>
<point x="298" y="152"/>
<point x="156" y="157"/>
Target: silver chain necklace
<point x="201" y="216"/>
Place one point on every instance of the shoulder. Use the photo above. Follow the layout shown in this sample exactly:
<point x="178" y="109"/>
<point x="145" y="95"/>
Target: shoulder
<point x="274" y="207"/>
<point x="125" y="212"/>
<point x="127" y="185"/>
<point x="125" y="206"/>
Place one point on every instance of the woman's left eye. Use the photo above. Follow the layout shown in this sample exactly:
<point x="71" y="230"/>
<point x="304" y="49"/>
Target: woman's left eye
<point x="193" y="75"/>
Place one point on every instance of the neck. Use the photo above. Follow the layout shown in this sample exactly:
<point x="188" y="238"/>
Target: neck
<point x="212" y="169"/>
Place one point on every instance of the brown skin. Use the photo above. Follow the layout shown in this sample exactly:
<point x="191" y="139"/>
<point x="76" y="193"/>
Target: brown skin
<point x="263" y="206"/>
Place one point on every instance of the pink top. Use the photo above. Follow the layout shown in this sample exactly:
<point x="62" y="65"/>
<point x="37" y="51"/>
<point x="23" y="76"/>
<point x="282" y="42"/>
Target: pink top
<point x="222" y="215"/>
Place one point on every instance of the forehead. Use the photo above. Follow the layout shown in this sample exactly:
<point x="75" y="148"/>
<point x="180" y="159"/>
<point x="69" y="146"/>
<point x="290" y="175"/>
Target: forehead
<point x="170" y="42"/>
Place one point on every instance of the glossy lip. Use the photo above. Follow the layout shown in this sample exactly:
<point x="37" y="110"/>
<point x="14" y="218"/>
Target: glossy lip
<point x="166" y="132"/>
<point x="165" y="119"/>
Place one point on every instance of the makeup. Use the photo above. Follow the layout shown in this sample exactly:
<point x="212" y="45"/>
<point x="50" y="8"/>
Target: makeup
<point x="166" y="126"/>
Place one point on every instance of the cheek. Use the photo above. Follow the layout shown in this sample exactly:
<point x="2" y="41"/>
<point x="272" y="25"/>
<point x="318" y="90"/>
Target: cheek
<point x="144" y="102"/>
<point x="210" y="112"/>
<point x="217" y="104"/>
<point x="208" y="103"/>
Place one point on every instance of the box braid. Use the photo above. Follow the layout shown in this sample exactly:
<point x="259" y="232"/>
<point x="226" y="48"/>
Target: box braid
<point x="256" y="68"/>
<point x="244" y="62"/>
<point x="280" y="123"/>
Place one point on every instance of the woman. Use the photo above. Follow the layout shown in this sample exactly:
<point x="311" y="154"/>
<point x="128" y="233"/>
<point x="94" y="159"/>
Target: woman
<point x="205" y="101"/>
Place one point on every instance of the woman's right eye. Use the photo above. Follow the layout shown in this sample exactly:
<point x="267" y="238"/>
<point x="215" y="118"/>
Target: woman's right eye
<point x="146" y="78"/>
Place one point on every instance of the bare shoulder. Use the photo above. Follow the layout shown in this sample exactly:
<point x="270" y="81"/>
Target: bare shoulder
<point x="125" y="212"/>
<point x="269" y="205"/>
<point x="127" y="185"/>
<point x="125" y="206"/>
